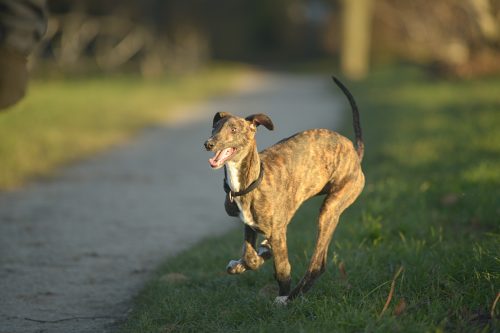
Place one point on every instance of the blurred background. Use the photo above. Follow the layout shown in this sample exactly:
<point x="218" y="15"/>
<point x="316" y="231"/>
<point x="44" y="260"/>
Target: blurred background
<point x="425" y="73"/>
<point x="163" y="53"/>
<point x="151" y="37"/>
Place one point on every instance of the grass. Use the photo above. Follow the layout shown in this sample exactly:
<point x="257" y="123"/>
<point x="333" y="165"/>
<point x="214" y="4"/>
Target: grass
<point x="430" y="205"/>
<point x="61" y="120"/>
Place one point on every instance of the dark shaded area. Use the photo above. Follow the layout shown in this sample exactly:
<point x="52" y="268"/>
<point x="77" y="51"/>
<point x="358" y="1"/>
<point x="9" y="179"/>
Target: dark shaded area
<point x="252" y="31"/>
<point x="447" y="37"/>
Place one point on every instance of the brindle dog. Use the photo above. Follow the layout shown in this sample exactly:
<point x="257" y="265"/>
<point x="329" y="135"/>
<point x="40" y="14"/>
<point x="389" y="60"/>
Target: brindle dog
<point x="265" y="189"/>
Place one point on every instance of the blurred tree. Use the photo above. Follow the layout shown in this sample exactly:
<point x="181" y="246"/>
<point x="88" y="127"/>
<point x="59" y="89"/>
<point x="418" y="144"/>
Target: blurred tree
<point x="114" y="35"/>
<point x="459" y="37"/>
<point x="179" y="34"/>
<point x="356" y="37"/>
<point x="453" y="37"/>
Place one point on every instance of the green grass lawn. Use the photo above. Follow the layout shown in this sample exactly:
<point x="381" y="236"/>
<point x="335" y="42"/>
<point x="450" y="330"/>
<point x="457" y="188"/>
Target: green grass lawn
<point x="61" y="120"/>
<point x="431" y="205"/>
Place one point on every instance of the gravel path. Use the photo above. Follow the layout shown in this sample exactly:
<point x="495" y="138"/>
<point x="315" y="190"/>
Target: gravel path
<point x="75" y="248"/>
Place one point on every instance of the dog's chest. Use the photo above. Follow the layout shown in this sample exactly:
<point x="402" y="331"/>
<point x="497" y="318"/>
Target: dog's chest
<point x="245" y="216"/>
<point x="234" y="183"/>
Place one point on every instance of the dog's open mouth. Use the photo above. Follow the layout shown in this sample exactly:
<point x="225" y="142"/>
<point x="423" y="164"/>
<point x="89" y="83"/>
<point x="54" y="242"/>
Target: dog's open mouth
<point x="221" y="157"/>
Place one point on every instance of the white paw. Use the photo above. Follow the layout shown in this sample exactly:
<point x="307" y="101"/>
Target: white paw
<point x="281" y="300"/>
<point x="235" y="267"/>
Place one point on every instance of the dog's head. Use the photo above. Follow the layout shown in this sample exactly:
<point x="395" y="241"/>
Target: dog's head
<point x="233" y="137"/>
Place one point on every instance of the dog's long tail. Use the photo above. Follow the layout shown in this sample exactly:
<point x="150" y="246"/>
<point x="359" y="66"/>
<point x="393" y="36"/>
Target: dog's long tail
<point x="360" y="146"/>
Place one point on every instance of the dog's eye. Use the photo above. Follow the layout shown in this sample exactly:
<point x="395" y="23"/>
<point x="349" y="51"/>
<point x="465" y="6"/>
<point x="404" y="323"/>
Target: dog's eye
<point x="233" y="129"/>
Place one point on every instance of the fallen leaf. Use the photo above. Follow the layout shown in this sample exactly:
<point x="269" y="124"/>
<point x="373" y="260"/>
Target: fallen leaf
<point x="400" y="307"/>
<point x="343" y="273"/>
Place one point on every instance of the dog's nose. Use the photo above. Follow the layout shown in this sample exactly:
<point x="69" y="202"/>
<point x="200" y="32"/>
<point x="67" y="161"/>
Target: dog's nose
<point x="209" y="145"/>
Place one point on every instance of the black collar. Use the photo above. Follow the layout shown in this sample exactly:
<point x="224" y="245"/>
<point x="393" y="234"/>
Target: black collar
<point x="249" y="189"/>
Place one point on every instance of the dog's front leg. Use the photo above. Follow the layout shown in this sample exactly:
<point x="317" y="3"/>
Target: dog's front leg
<point x="250" y="258"/>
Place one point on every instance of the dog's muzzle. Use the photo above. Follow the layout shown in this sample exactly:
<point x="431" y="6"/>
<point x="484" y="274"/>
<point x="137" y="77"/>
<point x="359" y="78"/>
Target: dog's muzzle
<point x="209" y="145"/>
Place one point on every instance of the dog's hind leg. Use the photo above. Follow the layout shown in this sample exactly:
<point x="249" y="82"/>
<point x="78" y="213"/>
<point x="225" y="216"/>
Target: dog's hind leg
<point x="282" y="267"/>
<point x="335" y="203"/>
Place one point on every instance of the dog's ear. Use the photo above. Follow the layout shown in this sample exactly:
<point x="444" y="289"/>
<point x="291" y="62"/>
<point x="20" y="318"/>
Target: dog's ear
<point x="261" y="119"/>
<point x="218" y="116"/>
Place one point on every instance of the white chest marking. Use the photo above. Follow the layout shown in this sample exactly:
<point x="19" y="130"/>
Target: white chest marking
<point x="232" y="172"/>
<point x="234" y="184"/>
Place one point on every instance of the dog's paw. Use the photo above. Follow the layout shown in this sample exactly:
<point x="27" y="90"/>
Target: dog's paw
<point x="281" y="300"/>
<point x="253" y="261"/>
<point x="235" y="267"/>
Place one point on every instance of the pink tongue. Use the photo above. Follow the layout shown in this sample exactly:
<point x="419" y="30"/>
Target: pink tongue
<point x="212" y="162"/>
<point x="220" y="155"/>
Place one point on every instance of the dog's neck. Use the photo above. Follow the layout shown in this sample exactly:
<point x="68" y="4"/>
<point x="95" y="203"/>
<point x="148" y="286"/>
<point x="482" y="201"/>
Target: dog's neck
<point x="242" y="173"/>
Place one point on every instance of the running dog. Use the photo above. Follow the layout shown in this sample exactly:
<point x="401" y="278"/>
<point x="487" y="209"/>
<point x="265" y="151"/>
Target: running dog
<point x="265" y="189"/>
